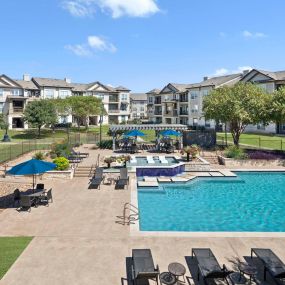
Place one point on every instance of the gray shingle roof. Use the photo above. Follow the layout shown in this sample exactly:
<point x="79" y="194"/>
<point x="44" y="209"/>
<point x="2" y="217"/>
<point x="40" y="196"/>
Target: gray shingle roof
<point x="154" y="91"/>
<point x="138" y="96"/>
<point x="121" y="88"/>
<point x="217" y="81"/>
<point x="181" y="87"/>
<point x="278" y="75"/>
<point x="79" y="87"/>
<point x="30" y="85"/>
<point x="50" y="82"/>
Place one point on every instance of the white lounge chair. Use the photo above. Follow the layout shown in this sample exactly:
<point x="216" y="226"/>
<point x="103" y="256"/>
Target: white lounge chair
<point x="133" y="160"/>
<point x="163" y="159"/>
<point x="150" y="160"/>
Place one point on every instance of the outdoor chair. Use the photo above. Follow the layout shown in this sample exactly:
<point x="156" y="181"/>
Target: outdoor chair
<point x="80" y="154"/>
<point x="123" y="179"/>
<point x="271" y="262"/>
<point x="46" y="198"/>
<point x="17" y="196"/>
<point x="97" y="179"/>
<point x="143" y="266"/>
<point x="26" y="202"/>
<point x="208" y="266"/>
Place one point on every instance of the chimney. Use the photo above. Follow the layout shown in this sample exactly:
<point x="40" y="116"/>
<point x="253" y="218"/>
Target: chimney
<point x="67" y="80"/>
<point x="205" y="78"/>
<point x="26" y="77"/>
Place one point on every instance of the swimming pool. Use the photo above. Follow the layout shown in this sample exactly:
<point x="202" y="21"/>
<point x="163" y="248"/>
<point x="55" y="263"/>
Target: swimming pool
<point x="252" y="202"/>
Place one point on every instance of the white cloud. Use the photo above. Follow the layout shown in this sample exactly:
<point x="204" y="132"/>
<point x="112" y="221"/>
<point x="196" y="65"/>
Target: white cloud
<point x="224" y="71"/>
<point x="221" y="72"/>
<point x="250" y="35"/>
<point x="98" y="43"/>
<point x="78" y="8"/>
<point x="93" y="45"/>
<point x="117" y="8"/>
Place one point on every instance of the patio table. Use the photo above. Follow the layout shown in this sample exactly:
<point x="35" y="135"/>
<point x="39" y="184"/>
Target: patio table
<point x="35" y="196"/>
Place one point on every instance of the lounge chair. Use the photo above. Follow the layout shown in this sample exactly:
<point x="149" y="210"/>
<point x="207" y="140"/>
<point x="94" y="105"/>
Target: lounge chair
<point x="17" y="196"/>
<point x="25" y="203"/>
<point x="40" y="186"/>
<point x="123" y="179"/>
<point x="143" y="266"/>
<point x="97" y="179"/>
<point x="163" y="159"/>
<point x="271" y="262"/>
<point x="150" y="160"/>
<point x="133" y="159"/>
<point x="80" y="154"/>
<point x="208" y="266"/>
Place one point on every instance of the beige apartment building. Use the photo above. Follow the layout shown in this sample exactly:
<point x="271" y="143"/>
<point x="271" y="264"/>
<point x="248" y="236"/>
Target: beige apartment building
<point x="16" y="94"/>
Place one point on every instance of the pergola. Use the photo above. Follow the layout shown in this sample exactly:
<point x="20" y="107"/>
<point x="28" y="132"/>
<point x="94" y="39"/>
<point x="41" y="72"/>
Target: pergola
<point x="154" y="127"/>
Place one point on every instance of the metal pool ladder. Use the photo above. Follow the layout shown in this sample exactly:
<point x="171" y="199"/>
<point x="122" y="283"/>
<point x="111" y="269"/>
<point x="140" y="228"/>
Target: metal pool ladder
<point x="130" y="215"/>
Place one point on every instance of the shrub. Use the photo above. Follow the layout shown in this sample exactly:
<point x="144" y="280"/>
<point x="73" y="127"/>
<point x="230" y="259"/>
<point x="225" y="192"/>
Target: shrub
<point x="61" y="149"/>
<point x="109" y="160"/>
<point x="61" y="163"/>
<point x="106" y="144"/>
<point x="235" y="152"/>
<point x="39" y="155"/>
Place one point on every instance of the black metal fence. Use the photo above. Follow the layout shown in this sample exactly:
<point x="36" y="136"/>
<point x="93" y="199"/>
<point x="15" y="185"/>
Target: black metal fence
<point x="257" y="142"/>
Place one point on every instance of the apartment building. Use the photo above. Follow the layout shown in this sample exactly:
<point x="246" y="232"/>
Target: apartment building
<point x="138" y="106"/>
<point x="15" y="95"/>
<point x="269" y="81"/>
<point x="182" y="103"/>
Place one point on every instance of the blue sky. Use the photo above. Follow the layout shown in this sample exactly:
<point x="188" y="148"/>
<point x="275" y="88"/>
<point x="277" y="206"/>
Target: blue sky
<point x="141" y="44"/>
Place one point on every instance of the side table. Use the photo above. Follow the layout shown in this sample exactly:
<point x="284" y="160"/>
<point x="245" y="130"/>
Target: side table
<point x="177" y="269"/>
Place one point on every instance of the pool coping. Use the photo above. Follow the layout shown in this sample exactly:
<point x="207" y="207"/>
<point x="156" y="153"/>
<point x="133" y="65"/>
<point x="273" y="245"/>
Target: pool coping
<point x="135" y="229"/>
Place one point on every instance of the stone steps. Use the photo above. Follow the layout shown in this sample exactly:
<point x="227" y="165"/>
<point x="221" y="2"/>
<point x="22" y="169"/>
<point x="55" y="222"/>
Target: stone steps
<point x="83" y="171"/>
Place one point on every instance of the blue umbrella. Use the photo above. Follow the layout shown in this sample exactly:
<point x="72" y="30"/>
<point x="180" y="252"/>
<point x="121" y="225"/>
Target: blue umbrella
<point x="135" y="133"/>
<point x="32" y="167"/>
<point x="170" y="133"/>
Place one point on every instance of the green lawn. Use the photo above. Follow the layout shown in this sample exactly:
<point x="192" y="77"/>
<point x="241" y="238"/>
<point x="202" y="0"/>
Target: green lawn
<point x="263" y="141"/>
<point x="10" y="250"/>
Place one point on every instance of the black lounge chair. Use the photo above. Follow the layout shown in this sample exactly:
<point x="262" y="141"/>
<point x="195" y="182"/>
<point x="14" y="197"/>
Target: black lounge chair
<point x="271" y="262"/>
<point x="123" y="179"/>
<point x="143" y="266"/>
<point x="26" y="202"/>
<point x="208" y="266"/>
<point x="97" y="179"/>
<point x="80" y="154"/>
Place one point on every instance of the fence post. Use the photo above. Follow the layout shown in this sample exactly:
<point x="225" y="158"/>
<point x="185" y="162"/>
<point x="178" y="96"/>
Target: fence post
<point x="281" y="144"/>
<point x="259" y="142"/>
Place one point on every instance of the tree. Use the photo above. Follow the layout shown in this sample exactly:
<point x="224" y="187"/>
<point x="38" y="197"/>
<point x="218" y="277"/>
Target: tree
<point x="278" y="106"/>
<point x="82" y="107"/>
<point x="238" y="106"/>
<point x="39" y="113"/>
<point x="4" y="125"/>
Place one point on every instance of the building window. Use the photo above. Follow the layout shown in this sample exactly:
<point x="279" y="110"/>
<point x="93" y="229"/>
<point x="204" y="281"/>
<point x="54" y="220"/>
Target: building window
<point x="207" y="124"/>
<point x="1" y="92"/>
<point x="124" y="107"/>
<point x="194" y="94"/>
<point x="205" y="92"/>
<point x="63" y="93"/>
<point x="150" y="99"/>
<point x="124" y="97"/>
<point x="16" y="92"/>
<point x="142" y="109"/>
<point x="195" y="122"/>
<point x="49" y="93"/>
<point x="1" y="107"/>
<point x="100" y="96"/>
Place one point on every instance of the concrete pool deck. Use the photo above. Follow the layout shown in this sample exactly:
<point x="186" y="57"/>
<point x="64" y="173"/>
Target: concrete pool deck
<point x="77" y="239"/>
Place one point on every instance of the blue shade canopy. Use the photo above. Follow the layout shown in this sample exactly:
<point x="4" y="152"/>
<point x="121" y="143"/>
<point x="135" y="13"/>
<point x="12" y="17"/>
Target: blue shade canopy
<point x="170" y="133"/>
<point x="135" y="133"/>
<point x="31" y="167"/>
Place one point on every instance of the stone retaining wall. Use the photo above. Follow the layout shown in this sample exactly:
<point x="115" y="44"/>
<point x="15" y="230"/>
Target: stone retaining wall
<point x="230" y="162"/>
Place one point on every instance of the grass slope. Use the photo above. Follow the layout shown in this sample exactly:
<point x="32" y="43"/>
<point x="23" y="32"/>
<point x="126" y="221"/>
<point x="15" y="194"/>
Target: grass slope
<point x="10" y="250"/>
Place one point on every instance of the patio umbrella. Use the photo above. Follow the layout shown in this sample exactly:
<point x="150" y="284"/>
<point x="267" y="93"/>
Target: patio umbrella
<point x="135" y="133"/>
<point x="170" y="133"/>
<point x="32" y="167"/>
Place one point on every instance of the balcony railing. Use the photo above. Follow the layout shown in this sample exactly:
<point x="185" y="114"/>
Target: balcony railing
<point x="113" y="99"/>
<point x="114" y="111"/>
<point x="158" y="113"/>
<point x="158" y="102"/>
<point x="173" y="113"/>
<point x="184" y="112"/>
<point x="18" y="109"/>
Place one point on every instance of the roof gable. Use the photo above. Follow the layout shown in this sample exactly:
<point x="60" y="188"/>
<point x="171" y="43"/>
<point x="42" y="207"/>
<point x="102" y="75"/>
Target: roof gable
<point x="97" y="86"/>
<point x="256" y="75"/>
<point x="7" y="82"/>
<point x="169" y="88"/>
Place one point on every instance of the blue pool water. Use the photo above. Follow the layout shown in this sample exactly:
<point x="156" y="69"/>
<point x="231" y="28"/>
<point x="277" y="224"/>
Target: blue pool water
<point x="252" y="202"/>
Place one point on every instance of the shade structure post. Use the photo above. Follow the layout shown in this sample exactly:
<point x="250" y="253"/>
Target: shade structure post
<point x="114" y="141"/>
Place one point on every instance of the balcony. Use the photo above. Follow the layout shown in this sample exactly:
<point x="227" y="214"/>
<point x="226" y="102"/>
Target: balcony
<point x="171" y="99"/>
<point x="113" y="99"/>
<point x="158" y="112"/>
<point x="18" y="109"/>
<point x="184" y="113"/>
<point x="173" y="113"/>
<point x="114" y="111"/>
<point x="157" y="101"/>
